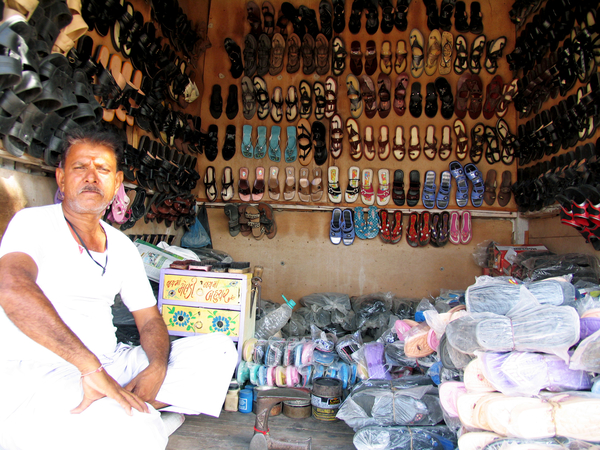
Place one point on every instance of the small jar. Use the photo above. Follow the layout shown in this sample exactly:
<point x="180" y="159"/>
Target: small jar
<point x="245" y="401"/>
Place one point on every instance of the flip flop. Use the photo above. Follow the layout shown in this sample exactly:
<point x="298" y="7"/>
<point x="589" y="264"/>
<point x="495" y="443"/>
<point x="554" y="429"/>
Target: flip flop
<point x="260" y="150"/>
<point x="397" y="228"/>
<point x="454" y="234"/>
<point x="289" y="190"/>
<point x="462" y="186"/>
<point x="401" y="52"/>
<point x="304" y="185"/>
<point x="354" y="96"/>
<point x="385" y="62"/>
<point x="277" y="105"/>
<point x="353" y="188"/>
<point x="291" y="101"/>
<point x="333" y="180"/>
<point x="442" y="200"/>
<point x="429" y="189"/>
<point x="383" y="190"/>
<point x="356" y="149"/>
<point x="466" y="232"/>
<point x="247" y="147"/>
<point x="248" y="98"/>
<point x="418" y="55"/>
<point x="413" y="232"/>
<point x="258" y="189"/>
<point x="274" y="188"/>
<point x="489" y="196"/>
<point x="434" y="50"/>
<point x="462" y="140"/>
<point x="316" y="185"/>
<point x="243" y="185"/>
<point x="369" y="144"/>
<point x="446" y="57"/>
<point x="274" y="149"/>
<point x="291" y="151"/>
<point x="425" y="229"/>
<point x="367" y="193"/>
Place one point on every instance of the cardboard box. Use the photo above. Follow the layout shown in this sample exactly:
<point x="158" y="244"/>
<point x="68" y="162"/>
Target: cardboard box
<point x="504" y="256"/>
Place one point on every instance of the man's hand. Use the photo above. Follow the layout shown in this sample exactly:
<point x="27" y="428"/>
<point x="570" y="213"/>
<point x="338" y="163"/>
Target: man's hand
<point x="147" y="383"/>
<point x="99" y="385"/>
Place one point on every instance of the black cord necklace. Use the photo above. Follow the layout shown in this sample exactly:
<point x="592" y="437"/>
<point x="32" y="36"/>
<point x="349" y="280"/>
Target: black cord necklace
<point x="103" y="267"/>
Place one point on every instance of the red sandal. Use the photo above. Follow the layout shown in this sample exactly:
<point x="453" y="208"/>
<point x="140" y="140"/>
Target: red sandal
<point x="424" y="234"/>
<point x="397" y="229"/>
<point x="412" y="234"/>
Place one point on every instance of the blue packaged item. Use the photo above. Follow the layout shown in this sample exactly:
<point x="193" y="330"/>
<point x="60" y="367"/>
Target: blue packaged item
<point x="245" y="402"/>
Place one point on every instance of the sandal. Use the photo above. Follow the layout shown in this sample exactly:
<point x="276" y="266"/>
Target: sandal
<point x="477" y="49"/>
<point x="493" y="52"/>
<point x="398" y="195"/>
<point x="369" y="144"/>
<point x="386" y="225"/>
<point x="443" y="229"/>
<point x="461" y="62"/>
<point x="354" y="139"/>
<point x="465" y="228"/>
<point x="383" y="143"/>
<point x="414" y="149"/>
<point x="322" y="54"/>
<point x="210" y="184"/>
<point x="370" y="58"/>
<point x="339" y="56"/>
<point x="243" y="186"/>
<point x="248" y="98"/>
<point x="446" y="56"/>
<point x="505" y="192"/>
<point x="367" y="193"/>
<point x="277" y="105"/>
<point x="400" y="94"/>
<point x="383" y="190"/>
<point x="413" y="232"/>
<point x="305" y="155"/>
<point x="416" y="100"/>
<point x="356" y="64"/>
<point x="319" y="134"/>
<point x="260" y="150"/>
<point x="356" y="103"/>
<point x="336" y="136"/>
<point x="434" y="50"/>
<point x="462" y="186"/>
<point x="258" y="188"/>
<point x="274" y="149"/>
<point x="446" y="147"/>
<point x="316" y="185"/>
<point x="430" y="147"/>
<point x="433" y="230"/>
<point x="291" y="151"/>
<point x="227" y="184"/>
<point x="476" y="90"/>
<point x="262" y="97"/>
<point x="462" y="141"/>
<point x="277" y="52"/>
<point x="252" y="215"/>
<point x="398" y="147"/>
<point x="418" y="55"/>
<point x="291" y="101"/>
<point x="308" y="54"/>
<point x="250" y="49"/>
<point x="367" y="89"/>
<point x="267" y="221"/>
<point x="330" y="97"/>
<point x="274" y="188"/>
<point x="293" y="44"/>
<point x="442" y="200"/>
<point x="414" y="189"/>
<point x="231" y="211"/>
<point x="383" y="89"/>
<point x="304" y="185"/>
<point x="489" y="196"/>
<point x="493" y="97"/>
<point x="305" y="99"/>
<point x="320" y="101"/>
<point x="333" y="189"/>
<point x="477" y="141"/>
<point x="454" y="233"/>
<point x="289" y="190"/>
<point x="429" y="189"/>
<point x="353" y="188"/>
<point x="401" y="52"/>
<point x="473" y="174"/>
<point x="385" y="62"/>
<point x="425" y="229"/>
<point x="492" y="152"/>
<point x="397" y="228"/>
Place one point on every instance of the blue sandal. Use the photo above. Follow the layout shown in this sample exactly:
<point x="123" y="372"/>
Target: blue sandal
<point x="360" y="225"/>
<point x="373" y="222"/>
<point x="291" y="151"/>
<point x="347" y="227"/>
<point x="462" y="185"/>
<point x="476" y="178"/>
<point x="429" y="189"/>
<point x="443" y="196"/>
<point x="274" y="150"/>
<point x="247" y="148"/>
<point x="261" y="143"/>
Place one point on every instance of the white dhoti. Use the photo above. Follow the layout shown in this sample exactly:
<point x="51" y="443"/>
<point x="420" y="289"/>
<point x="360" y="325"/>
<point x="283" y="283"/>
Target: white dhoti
<point x="36" y="399"/>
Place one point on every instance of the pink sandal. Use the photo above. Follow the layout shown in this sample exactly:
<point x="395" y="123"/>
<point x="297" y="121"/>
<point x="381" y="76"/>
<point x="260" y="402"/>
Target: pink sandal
<point x="465" y="228"/>
<point x="120" y="207"/>
<point x="454" y="228"/>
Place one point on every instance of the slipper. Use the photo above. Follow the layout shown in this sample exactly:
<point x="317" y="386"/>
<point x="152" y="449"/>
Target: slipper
<point x="430" y="147"/>
<point x="291" y="101"/>
<point x="416" y="45"/>
<point x="367" y="193"/>
<point x="400" y="94"/>
<point x="386" y="220"/>
<point x="243" y="186"/>
<point x="305" y="154"/>
<point x="466" y="232"/>
<point x="347" y="227"/>
<point x="258" y="188"/>
<point x="414" y="188"/>
<point x="316" y="185"/>
<point x="260" y="150"/>
<point x="210" y="184"/>
<point x="276" y="56"/>
<point x="367" y="90"/>
<point x="304" y="185"/>
<point x="461" y="62"/>
<point x="227" y="184"/>
<point x="356" y="64"/>
<point x="277" y="105"/>
<point x="370" y="58"/>
<point x="330" y="97"/>
<point x="416" y="100"/>
<point x="414" y="148"/>
<point x="413" y="232"/>
<point x="305" y="99"/>
<point x="274" y="188"/>
<point x="505" y="192"/>
<point x="353" y="188"/>
<point x="398" y="147"/>
<point x="397" y="228"/>
<point x="335" y="227"/>
<point x="442" y="200"/>
<point x="291" y="151"/>
<point x="446" y="146"/>
<point x="333" y="180"/>
<point x="383" y="190"/>
<point x="454" y="233"/>
<point x="274" y="149"/>
<point x="446" y="56"/>
<point x="384" y="143"/>
<point x="289" y="190"/>
<point x="356" y="149"/>
<point x="434" y="50"/>
<point x="429" y="189"/>
<point x="336" y="136"/>
<point x="474" y="175"/>
<point x="398" y="195"/>
<point x="294" y="44"/>
<point x="385" y="62"/>
<point x="462" y="141"/>
<point x="248" y="98"/>
<point x="401" y="52"/>
<point x="489" y="196"/>
<point x="320" y="100"/>
<point x="425" y="229"/>
<point x="383" y="91"/>
<point x="369" y="143"/>
<point x="354" y="96"/>
<point x="462" y="186"/>
<point x="231" y="211"/>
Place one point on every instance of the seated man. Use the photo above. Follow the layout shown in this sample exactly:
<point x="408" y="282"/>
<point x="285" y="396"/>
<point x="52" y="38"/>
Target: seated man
<point x="65" y="383"/>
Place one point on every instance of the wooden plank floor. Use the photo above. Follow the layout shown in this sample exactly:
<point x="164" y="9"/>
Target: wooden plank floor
<point x="234" y="430"/>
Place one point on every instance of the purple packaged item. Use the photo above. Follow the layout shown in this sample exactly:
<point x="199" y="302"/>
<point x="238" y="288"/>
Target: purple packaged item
<point x="588" y="326"/>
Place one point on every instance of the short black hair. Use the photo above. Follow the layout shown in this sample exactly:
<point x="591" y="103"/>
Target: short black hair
<point x="95" y="135"/>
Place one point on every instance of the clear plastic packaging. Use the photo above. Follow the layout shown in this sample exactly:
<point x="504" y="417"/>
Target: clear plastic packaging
<point x="484" y="254"/>
<point x="587" y="354"/>
<point x="327" y="307"/>
<point x="583" y="267"/>
<point x="347" y="345"/>
<point x="416" y="438"/>
<point x="298" y="324"/>
<point x="371" y="308"/>
<point x="275" y="320"/>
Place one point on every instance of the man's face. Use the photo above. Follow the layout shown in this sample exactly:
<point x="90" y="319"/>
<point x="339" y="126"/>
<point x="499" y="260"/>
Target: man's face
<point x="89" y="179"/>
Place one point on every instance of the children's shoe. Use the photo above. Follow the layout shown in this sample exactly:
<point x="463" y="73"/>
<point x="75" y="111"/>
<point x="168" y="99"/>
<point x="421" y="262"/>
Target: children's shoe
<point x="333" y="189"/>
<point x="353" y="188"/>
<point x="466" y="232"/>
<point x="454" y="228"/>
<point x="383" y="190"/>
<point x="347" y="227"/>
<point x="335" y="228"/>
<point x="367" y="194"/>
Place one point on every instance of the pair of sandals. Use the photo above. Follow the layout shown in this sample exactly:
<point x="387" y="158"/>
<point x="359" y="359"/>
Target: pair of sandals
<point x="391" y="226"/>
<point x="441" y="200"/>
<point x="369" y="228"/>
<point x="471" y="173"/>
<point x="227" y="190"/>
<point x="341" y="227"/>
<point x="258" y="188"/>
<point x="418" y="233"/>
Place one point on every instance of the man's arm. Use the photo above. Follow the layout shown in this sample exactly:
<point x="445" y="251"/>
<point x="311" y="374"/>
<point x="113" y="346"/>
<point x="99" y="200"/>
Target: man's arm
<point x="30" y="310"/>
<point x="154" y="339"/>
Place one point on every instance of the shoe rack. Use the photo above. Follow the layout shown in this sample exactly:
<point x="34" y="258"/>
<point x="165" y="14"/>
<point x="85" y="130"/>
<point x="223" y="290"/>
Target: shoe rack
<point x="229" y="20"/>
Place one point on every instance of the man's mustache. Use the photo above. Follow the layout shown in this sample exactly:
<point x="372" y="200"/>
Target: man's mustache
<point x="91" y="188"/>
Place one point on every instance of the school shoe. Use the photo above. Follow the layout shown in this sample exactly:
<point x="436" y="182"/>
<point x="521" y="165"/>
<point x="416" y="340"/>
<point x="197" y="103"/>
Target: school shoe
<point x="335" y="228"/>
<point x="347" y="227"/>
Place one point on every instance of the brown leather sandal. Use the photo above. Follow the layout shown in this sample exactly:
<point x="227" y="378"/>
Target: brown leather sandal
<point x="414" y="148"/>
<point x="369" y="143"/>
<point x="446" y="147"/>
<point x="398" y="147"/>
<point x="489" y="195"/>
<point x="430" y="147"/>
<point x="356" y="150"/>
<point x="462" y="141"/>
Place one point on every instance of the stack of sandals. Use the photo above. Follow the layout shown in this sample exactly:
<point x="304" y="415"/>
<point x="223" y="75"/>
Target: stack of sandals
<point x="256" y="220"/>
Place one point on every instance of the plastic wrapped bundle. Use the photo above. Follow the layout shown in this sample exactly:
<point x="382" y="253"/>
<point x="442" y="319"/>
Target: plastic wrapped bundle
<point x="583" y="267"/>
<point x="449" y="392"/>
<point x="477" y="440"/>
<point x="395" y="356"/>
<point x="500" y="296"/>
<point x="588" y="326"/>
<point x="387" y="407"/>
<point x="374" y="354"/>
<point x="369" y="308"/>
<point x="328" y="307"/>
<point x="525" y="373"/>
<point x="587" y="354"/>
<point x="529" y="326"/>
<point x="452" y="358"/>
<point x="539" y="444"/>
<point x="391" y="438"/>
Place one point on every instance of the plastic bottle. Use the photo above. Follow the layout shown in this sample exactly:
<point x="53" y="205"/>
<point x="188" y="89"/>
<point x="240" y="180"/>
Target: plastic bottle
<point x="275" y="320"/>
